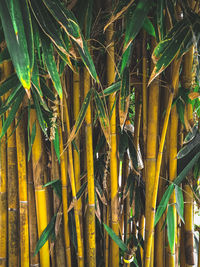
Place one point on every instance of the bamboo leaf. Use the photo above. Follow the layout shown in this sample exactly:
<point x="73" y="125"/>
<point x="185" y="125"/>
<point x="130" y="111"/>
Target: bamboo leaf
<point x="160" y="18"/>
<point x="124" y="98"/>
<point x="103" y="117"/>
<point x="12" y="82"/>
<point x="33" y="134"/>
<point x="57" y="187"/>
<point x="179" y="202"/>
<point x="47" y="91"/>
<point x="36" y="79"/>
<point x="67" y="20"/>
<point x="50" y="63"/>
<point x="189" y="147"/>
<point x="4" y="55"/>
<point x="136" y="21"/>
<point x="149" y="28"/>
<point x="116" y="238"/>
<point x="163" y="203"/>
<point x="191" y="134"/>
<point x="12" y="113"/>
<point x="81" y="190"/>
<point x="171" y="227"/>
<point x="13" y="27"/>
<point x="112" y="88"/>
<point x="81" y="117"/>
<point x="46" y="234"/>
<point x="40" y="116"/>
<point x="56" y="144"/>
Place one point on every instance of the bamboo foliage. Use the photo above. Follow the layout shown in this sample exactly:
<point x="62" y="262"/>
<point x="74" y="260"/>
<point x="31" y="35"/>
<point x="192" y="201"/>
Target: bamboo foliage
<point x="77" y="129"/>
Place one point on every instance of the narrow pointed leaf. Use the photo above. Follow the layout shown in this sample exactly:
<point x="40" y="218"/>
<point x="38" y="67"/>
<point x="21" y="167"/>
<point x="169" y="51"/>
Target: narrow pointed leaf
<point x="50" y="63"/>
<point x="136" y="21"/>
<point x="12" y="113"/>
<point x="48" y="231"/>
<point x="33" y="134"/>
<point x="57" y="187"/>
<point x="81" y="117"/>
<point x="124" y="98"/>
<point x="179" y="202"/>
<point x="116" y="238"/>
<point x="189" y="146"/>
<point x="149" y="28"/>
<point x="12" y="82"/>
<point x="163" y="203"/>
<point x="113" y="88"/>
<point x="103" y="117"/>
<point x="4" y="55"/>
<point x="15" y="38"/>
<point x="171" y="227"/>
<point x="56" y="144"/>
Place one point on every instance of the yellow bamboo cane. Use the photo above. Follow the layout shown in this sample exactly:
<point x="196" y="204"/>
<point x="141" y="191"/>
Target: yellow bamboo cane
<point x="34" y="260"/>
<point x="40" y="194"/>
<point x="113" y="152"/>
<point x="188" y="194"/>
<point x="91" y="253"/>
<point x="157" y="175"/>
<point x="151" y="154"/>
<point x="3" y="199"/>
<point x="23" y="197"/>
<point x="13" y="245"/>
<point x="80" y="253"/>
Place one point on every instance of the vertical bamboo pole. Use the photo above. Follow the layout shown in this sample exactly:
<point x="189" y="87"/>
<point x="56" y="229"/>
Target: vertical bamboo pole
<point x="173" y="152"/>
<point x="64" y="179"/>
<point x="3" y="198"/>
<point x="91" y="253"/>
<point x="151" y="154"/>
<point x="34" y="260"/>
<point x="23" y="197"/>
<point x="113" y="152"/>
<point x="188" y="194"/>
<point x="13" y="233"/>
<point x="40" y="194"/>
<point x="80" y="252"/>
<point x="76" y="109"/>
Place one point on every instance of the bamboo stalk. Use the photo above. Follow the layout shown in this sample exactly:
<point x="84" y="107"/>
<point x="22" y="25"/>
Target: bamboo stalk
<point x="188" y="194"/>
<point x="23" y="197"/>
<point x="150" y="170"/>
<point x="113" y="150"/>
<point x="13" y="233"/>
<point x="80" y="253"/>
<point x="3" y="198"/>
<point x="64" y="179"/>
<point x="144" y="88"/>
<point x="40" y="193"/>
<point x="34" y="260"/>
<point x="91" y="253"/>
<point x="157" y="174"/>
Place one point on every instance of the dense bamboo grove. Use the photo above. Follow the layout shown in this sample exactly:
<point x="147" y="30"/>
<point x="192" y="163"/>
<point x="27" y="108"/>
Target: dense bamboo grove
<point x="99" y="133"/>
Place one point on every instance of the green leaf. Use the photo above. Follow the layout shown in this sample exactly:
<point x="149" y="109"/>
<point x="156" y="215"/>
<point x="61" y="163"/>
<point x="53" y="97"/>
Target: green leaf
<point x="57" y="187"/>
<point x="12" y="82"/>
<point x="50" y="63"/>
<point x="116" y="238"/>
<point x="112" y="88"/>
<point x="135" y="23"/>
<point x="36" y="79"/>
<point x="124" y="98"/>
<point x="179" y="202"/>
<point x="149" y="28"/>
<point x="103" y="117"/>
<point x="48" y="232"/>
<point x="160" y="18"/>
<point x="180" y="105"/>
<point x="33" y="134"/>
<point x="15" y="37"/>
<point x="47" y="91"/>
<point x="4" y="55"/>
<point x="189" y="147"/>
<point x="191" y="134"/>
<point x="163" y="203"/>
<point x="56" y="144"/>
<point x="171" y="227"/>
<point x="12" y="113"/>
<point x="123" y="144"/>
<point x="81" y="117"/>
<point x="40" y="116"/>
<point x="81" y="190"/>
<point x="67" y="20"/>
